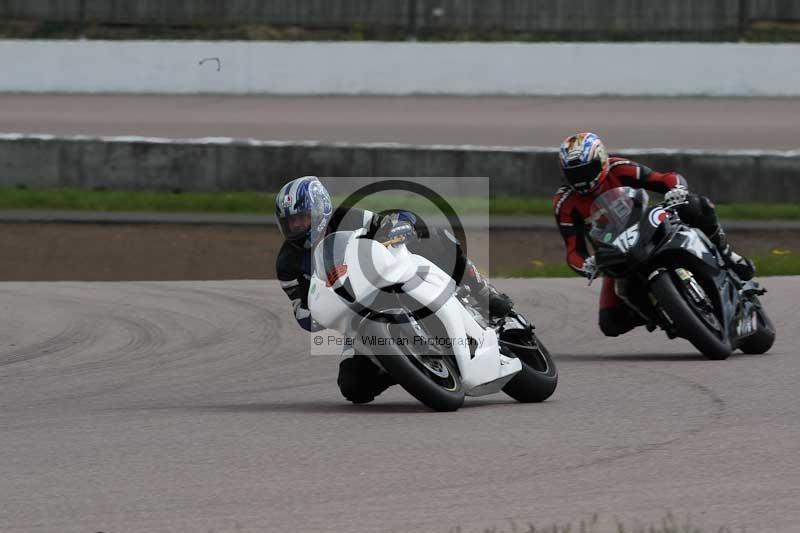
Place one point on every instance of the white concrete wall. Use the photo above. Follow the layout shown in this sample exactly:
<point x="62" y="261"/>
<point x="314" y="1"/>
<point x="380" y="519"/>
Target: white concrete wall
<point x="715" y="69"/>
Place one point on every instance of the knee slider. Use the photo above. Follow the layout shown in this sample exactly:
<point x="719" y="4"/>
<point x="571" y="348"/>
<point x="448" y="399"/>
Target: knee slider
<point x="615" y="322"/>
<point x="360" y="380"/>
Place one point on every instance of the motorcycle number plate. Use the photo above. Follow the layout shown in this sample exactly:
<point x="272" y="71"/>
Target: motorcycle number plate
<point x="627" y="238"/>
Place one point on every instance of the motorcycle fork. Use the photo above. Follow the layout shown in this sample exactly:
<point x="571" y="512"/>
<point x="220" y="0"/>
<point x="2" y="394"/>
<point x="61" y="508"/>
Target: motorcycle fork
<point x="693" y="288"/>
<point x="662" y="318"/>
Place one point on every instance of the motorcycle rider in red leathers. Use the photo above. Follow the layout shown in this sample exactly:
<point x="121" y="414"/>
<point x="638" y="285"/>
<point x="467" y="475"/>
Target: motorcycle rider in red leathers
<point x="588" y="172"/>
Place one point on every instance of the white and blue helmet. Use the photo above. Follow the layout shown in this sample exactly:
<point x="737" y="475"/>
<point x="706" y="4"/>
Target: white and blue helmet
<point x="584" y="162"/>
<point x="303" y="209"/>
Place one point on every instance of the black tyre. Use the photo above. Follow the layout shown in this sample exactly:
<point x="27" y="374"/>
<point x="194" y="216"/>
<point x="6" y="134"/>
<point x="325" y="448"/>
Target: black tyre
<point x="687" y="319"/>
<point x="538" y="379"/>
<point x="762" y="340"/>
<point x="434" y="381"/>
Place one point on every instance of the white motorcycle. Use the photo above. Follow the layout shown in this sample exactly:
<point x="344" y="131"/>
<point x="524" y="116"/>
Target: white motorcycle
<point x="409" y="318"/>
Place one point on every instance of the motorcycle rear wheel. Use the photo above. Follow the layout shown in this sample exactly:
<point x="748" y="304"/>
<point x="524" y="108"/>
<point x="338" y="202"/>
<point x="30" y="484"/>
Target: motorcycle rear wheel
<point x="538" y="379"/>
<point x="762" y="340"/>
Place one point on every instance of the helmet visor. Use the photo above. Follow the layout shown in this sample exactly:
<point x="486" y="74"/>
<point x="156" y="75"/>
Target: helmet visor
<point x="296" y="226"/>
<point x="581" y="177"/>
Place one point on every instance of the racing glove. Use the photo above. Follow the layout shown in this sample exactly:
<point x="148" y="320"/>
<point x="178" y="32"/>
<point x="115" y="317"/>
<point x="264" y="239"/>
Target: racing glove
<point x="676" y="195"/>
<point x="395" y="229"/>
<point x="589" y="268"/>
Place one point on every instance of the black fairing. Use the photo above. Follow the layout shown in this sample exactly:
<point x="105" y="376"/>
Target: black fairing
<point x="669" y="244"/>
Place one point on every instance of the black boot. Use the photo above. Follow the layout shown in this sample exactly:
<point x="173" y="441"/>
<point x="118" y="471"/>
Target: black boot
<point x="701" y="213"/>
<point x="742" y="266"/>
<point x="489" y="299"/>
<point x="498" y="304"/>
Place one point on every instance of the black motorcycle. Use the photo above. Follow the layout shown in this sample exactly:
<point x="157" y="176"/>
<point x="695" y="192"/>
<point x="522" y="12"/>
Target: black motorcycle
<point x="675" y="278"/>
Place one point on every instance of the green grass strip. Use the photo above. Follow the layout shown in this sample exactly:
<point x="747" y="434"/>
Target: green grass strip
<point x="158" y="201"/>
<point x="263" y="203"/>
<point x="759" y="211"/>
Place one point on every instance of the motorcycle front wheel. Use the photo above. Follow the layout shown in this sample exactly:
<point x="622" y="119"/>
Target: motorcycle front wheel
<point x="432" y="379"/>
<point x="688" y="320"/>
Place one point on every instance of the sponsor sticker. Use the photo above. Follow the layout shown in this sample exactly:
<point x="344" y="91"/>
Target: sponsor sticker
<point x="335" y="274"/>
<point x="657" y="216"/>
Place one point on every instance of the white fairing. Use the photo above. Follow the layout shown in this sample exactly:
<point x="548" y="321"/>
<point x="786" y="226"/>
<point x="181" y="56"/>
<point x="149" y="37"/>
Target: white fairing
<point x="386" y="269"/>
<point x="488" y="365"/>
<point x="485" y="373"/>
<point x="328" y="309"/>
<point x="332" y="311"/>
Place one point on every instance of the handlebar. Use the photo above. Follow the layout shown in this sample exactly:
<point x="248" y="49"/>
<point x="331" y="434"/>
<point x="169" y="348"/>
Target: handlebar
<point x="673" y="206"/>
<point x="397" y="240"/>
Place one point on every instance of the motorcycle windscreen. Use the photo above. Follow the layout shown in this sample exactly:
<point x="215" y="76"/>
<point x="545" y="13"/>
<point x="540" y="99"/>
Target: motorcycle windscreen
<point x="614" y="212"/>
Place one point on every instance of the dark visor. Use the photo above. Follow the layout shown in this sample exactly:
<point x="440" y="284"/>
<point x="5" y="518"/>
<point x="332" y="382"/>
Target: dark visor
<point x="580" y="177"/>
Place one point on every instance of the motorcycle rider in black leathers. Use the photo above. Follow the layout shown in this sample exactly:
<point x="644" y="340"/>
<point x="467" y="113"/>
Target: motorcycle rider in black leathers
<point x="305" y="215"/>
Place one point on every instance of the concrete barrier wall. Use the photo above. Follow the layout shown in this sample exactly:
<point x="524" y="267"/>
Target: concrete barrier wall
<point x="401" y="68"/>
<point x="226" y="164"/>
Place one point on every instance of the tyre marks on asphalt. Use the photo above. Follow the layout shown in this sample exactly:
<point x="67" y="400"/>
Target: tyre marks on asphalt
<point x="123" y="336"/>
<point x="212" y="381"/>
<point x="74" y="338"/>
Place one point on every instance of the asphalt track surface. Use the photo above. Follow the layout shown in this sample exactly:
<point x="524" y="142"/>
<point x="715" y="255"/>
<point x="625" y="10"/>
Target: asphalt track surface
<point x="711" y="123"/>
<point x="195" y="406"/>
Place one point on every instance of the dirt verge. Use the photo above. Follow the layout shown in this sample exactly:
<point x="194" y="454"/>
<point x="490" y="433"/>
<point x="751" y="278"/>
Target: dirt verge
<point x="126" y="252"/>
